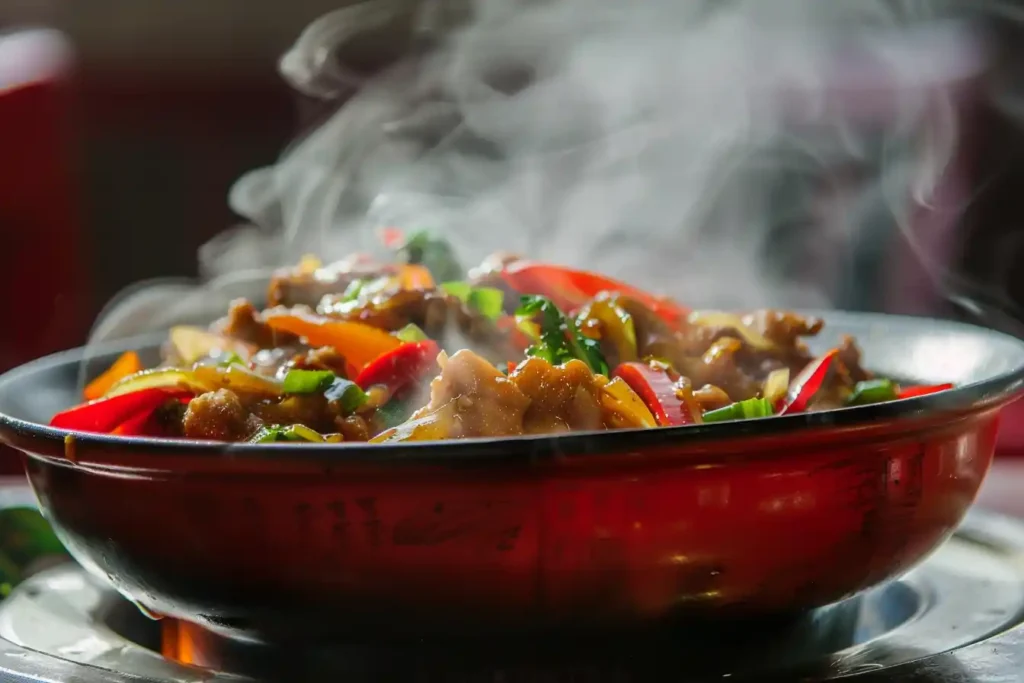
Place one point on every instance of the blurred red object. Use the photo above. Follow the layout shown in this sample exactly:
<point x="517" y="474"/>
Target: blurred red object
<point x="40" y="221"/>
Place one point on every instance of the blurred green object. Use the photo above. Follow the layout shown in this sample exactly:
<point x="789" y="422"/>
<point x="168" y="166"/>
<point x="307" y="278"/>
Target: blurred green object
<point x="27" y="543"/>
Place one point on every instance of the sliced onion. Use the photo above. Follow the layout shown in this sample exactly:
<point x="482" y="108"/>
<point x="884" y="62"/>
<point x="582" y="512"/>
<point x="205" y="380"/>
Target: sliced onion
<point x="435" y="425"/>
<point x="776" y="385"/>
<point x="238" y="379"/>
<point x="626" y="408"/>
<point x="193" y="344"/>
<point x="731" y="320"/>
<point x="171" y="379"/>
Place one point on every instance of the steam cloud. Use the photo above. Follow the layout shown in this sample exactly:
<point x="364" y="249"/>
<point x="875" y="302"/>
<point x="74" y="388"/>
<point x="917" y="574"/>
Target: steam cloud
<point x="683" y="146"/>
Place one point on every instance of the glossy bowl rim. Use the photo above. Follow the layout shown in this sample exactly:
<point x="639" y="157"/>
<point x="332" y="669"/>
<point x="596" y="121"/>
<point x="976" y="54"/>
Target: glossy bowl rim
<point x="972" y="397"/>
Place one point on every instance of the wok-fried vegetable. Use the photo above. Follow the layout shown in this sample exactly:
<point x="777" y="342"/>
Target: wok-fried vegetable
<point x="557" y="337"/>
<point x="872" y="391"/>
<point x="191" y="344"/>
<point x="611" y="323"/>
<point x="807" y="384"/>
<point x="415" y="277"/>
<point x="488" y="300"/>
<point x="106" y="414"/>
<point x="430" y="426"/>
<point x="671" y="403"/>
<point x="400" y="367"/>
<point x="435" y="254"/>
<point x="127" y="364"/>
<point x="913" y="392"/>
<point x="296" y="432"/>
<point x="359" y="344"/>
<point x="411" y="333"/>
<point x="741" y="410"/>
<point x="624" y="407"/>
<point x="358" y="367"/>
<point x="570" y="288"/>
<point x="307" y="381"/>
<point x="776" y="386"/>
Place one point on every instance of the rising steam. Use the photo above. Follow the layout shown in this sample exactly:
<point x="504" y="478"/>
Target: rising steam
<point x="683" y="146"/>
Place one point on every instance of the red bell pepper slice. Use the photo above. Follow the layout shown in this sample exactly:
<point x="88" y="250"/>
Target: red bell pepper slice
<point x="398" y="368"/>
<point x="107" y="414"/>
<point x="912" y="392"/>
<point x="658" y="391"/>
<point x="569" y="288"/>
<point x="807" y="384"/>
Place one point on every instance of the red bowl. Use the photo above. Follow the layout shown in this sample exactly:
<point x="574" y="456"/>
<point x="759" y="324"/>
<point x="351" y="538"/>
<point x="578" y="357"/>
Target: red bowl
<point x="578" y="532"/>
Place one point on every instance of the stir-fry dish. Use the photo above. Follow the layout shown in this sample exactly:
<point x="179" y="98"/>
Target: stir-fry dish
<point x="417" y="349"/>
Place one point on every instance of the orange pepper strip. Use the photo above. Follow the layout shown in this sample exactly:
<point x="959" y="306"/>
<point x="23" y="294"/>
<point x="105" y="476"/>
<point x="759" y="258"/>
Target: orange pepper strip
<point x="360" y="344"/>
<point x="128" y="363"/>
<point x="415" y="277"/>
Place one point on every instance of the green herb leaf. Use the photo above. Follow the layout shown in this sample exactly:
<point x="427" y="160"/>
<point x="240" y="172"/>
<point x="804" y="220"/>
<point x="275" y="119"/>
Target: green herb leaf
<point x="559" y="339"/>
<point x="436" y="254"/>
<point x="411" y="333"/>
<point x="348" y="393"/>
<point x="308" y="381"/>
<point x="872" y="391"/>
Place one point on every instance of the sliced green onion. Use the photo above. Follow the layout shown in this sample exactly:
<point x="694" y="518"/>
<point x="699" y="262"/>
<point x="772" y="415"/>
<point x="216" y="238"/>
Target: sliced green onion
<point x="872" y="391"/>
<point x="295" y="432"/>
<point x="460" y="290"/>
<point x="741" y="410"/>
<point x="308" y="381"/>
<point x="489" y="301"/>
<point x="348" y="393"/>
<point x="411" y="333"/>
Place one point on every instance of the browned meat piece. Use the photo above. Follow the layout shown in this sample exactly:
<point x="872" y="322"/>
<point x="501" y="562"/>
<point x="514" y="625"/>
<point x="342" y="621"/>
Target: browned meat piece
<point x="441" y="316"/>
<point x="711" y="397"/>
<point x="353" y="428"/>
<point x="243" y="323"/>
<point x="471" y="398"/>
<point x="720" y="368"/>
<point x="563" y="397"/>
<point x="303" y="286"/>
<point x="218" y="416"/>
<point x="485" y="402"/>
<point x="312" y="410"/>
<point x="783" y="328"/>
<point x="849" y="356"/>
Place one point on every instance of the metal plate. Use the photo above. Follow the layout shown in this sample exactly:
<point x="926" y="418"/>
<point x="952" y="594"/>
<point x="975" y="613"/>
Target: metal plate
<point x="60" y="625"/>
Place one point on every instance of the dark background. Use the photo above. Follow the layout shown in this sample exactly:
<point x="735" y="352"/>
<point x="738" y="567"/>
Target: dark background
<point x="117" y="168"/>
